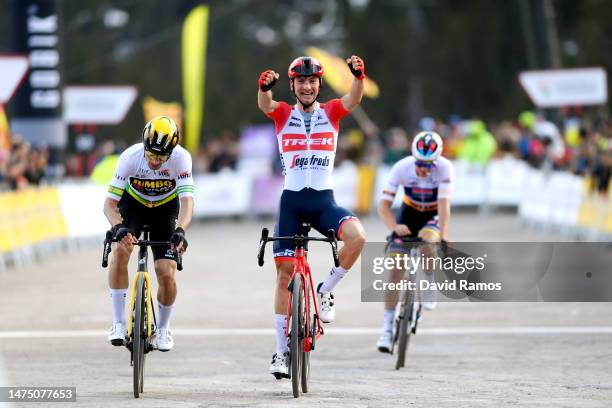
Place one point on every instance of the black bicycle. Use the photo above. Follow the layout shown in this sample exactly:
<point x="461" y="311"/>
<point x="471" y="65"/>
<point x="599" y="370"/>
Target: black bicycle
<point x="141" y="318"/>
<point x="409" y="306"/>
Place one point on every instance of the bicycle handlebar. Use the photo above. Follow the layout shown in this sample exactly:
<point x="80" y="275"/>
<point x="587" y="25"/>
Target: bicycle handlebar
<point x="298" y="239"/>
<point x="403" y="238"/>
<point x="141" y="243"/>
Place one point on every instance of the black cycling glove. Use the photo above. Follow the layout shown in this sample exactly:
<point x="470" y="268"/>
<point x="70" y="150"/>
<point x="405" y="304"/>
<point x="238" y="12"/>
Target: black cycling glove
<point x="120" y="231"/>
<point x="177" y="237"/>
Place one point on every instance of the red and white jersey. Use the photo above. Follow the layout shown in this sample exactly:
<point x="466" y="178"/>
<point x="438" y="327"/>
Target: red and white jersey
<point x="308" y="159"/>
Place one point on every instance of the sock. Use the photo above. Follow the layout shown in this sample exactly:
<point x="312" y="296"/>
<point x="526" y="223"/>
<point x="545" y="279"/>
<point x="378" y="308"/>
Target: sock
<point x="388" y="320"/>
<point x="165" y="312"/>
<point x="332" y="280"/>
<point x="280" y="324"/>
<point x="118" y="301"/>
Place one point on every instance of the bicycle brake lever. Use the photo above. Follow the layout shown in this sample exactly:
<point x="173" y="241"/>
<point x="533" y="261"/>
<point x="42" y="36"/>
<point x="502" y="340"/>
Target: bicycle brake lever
<point x="331" y="236"/>
<point x="179" y="261"/>
<point x="262" y="246"/>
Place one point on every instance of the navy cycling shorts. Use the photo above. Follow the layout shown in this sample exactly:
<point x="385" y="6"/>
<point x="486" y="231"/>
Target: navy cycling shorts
<point x="318" y="208"/>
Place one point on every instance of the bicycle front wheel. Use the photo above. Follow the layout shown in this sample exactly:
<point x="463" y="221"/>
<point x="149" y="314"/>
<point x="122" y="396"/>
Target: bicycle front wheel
<point x="297" y="323"/>
<point x="139" y="335"/>
<point x="403" y="328"/>
<point x="310" y="333"/>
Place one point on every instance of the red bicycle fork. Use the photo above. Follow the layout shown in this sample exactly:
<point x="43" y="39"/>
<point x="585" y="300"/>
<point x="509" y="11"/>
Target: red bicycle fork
<point x="303" y="269"/>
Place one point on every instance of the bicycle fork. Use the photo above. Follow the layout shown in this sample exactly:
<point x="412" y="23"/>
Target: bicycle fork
<point x="133" y="304"/>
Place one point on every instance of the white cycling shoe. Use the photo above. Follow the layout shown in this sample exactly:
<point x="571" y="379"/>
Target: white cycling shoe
<point x="118" y="334"/>
<point x="279" y="367"/>
<point x="385" y="342"/>
<point x="327" y="310"/>
<point x="429" y="306"/>
<point x="163" y="340"/>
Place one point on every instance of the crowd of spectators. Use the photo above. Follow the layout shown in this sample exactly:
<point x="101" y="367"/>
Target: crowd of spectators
<point x="21" y="164"/>
<point x="581" y="146"/>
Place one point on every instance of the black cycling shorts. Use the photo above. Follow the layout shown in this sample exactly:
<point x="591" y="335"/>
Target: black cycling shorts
<point x="161" y="221"/>
<point x="316" y="207"/>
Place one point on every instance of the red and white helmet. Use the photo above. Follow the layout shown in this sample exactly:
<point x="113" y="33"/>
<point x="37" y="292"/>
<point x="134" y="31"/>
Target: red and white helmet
<point x="427" y="146"/>
<point x="305" y="66"/>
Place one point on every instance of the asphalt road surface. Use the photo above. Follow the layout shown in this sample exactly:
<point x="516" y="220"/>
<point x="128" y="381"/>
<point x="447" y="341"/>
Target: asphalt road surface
<point x="54" y="318"/>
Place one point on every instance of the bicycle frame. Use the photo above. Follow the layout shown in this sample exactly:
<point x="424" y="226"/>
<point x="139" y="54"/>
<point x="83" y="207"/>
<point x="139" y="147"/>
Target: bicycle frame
<point x="302" y="268"/>
<point x="142" y="270"/>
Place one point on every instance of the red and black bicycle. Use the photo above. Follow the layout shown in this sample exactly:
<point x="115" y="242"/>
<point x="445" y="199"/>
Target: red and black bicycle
<point x="303" y="325"/>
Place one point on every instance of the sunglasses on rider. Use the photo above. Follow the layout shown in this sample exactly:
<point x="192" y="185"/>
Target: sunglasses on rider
<point x="424" y="165"/>
<point x="154" y="156"/>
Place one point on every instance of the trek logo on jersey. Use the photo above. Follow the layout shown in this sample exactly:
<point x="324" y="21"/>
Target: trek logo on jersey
<point x="317" y="141"/>
<point x="152" y="187"/>
<point x="312" y="161"/>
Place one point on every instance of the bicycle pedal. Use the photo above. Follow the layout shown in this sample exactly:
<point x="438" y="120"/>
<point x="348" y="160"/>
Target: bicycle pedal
<point x="118" y="342"/>
<point x="278" y="376"/>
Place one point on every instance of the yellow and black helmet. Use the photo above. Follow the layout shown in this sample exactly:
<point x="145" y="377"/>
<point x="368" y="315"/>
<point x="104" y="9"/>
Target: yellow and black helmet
<point x="160" y="135"/>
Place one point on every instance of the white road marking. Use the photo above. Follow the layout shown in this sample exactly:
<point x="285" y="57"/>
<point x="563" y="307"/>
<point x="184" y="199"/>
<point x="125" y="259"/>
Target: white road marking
<point x="341" y="331"/>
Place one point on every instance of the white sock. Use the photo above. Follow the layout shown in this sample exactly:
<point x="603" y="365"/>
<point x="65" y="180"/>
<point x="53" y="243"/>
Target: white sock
<point x="388" y="320"/>
<point x="332" y="280"/>
<point x="118" y="301"/>
<point x="165" y="312"/>
<point x="280" y="324"/>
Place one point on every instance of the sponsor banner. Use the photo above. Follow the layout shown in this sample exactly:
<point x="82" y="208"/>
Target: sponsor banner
<point x="12" y="70"/>
<point x="488" y="271"/>
<point x="106" y="105"/>
<point x="36" y="33"/>
<point x="37" y="113"/>
<point x="566" y="87"/>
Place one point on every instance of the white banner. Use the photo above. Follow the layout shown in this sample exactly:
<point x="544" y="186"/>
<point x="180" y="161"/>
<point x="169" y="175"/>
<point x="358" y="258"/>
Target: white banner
<point x="99" y="105"/>
<point x="566" y="87"/>
<point x="12" y="70"/>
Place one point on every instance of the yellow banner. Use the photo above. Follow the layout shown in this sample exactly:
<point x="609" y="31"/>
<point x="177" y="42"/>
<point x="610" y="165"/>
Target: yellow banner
<point x="5" y="135"/>
<point x="195" y="40"/>
<point x="337" y="74"/>
<point x="151" y="108"/>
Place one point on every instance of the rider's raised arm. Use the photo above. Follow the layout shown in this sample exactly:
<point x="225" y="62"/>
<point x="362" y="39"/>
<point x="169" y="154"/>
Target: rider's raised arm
<point x="353" y="97"/>
<point x="267" y="79"/>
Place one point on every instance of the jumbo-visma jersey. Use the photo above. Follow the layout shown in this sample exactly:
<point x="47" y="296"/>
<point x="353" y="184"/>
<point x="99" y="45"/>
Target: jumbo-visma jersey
<point x="308" y="160"/>
<point x="152" y="188"/>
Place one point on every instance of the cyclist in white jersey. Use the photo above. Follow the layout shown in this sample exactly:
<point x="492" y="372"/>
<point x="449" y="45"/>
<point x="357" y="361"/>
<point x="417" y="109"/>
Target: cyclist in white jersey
<point x="152" y="186"/>
<point x="307" y="135"/>
<point x="426" y="178"/>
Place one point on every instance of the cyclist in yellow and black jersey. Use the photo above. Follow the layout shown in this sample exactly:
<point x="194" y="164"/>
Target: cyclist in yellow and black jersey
<point x="153" y="186"/>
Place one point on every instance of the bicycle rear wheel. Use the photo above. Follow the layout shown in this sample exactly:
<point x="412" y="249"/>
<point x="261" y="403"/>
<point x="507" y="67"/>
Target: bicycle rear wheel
<point x="139" y="336"/>
<point x="308" y="332"/>
<point x="296" y="345"/>
<point x="403" y="328"/>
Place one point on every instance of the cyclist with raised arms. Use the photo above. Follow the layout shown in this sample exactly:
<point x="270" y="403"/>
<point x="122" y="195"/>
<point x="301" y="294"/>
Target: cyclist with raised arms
<point x="426" y="178"/>
<point x="152" y="186"/>
<point x="307" y="135"/>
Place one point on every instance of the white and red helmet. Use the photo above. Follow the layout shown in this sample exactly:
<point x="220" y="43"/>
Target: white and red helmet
<point x="305" y="66"/>
<point x="427" y="146"/>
